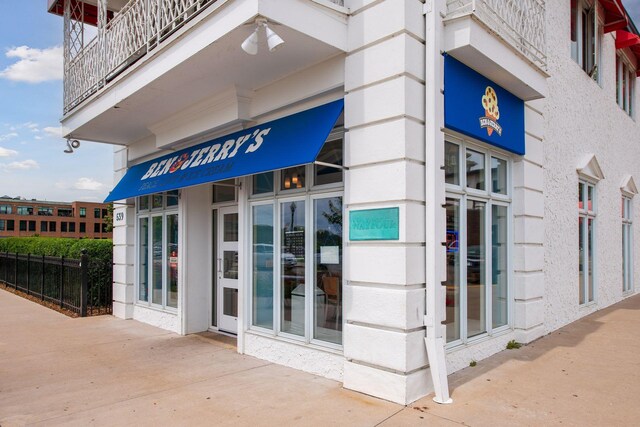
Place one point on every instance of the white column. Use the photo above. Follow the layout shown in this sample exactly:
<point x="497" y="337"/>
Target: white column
<point x="528" y="214"/>
<point x="384" y="117"/>
<point x="123" y="245"/>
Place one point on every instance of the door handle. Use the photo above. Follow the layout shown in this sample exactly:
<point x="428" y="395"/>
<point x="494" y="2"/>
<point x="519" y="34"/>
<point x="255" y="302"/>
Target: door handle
<point x="219" y="268"/>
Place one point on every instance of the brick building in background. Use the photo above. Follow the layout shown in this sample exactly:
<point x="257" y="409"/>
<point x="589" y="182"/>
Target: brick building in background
<point x="25" y="218"/>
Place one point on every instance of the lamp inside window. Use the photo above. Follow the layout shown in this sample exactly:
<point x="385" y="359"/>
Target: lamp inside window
<point x="293" y="178"/>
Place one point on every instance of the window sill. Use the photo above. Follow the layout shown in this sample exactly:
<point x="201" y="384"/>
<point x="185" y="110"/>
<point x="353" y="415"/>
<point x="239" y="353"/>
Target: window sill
<point x="159" y="309"/>
<point x="337" y="350"/>
<point x="503" y="330"/>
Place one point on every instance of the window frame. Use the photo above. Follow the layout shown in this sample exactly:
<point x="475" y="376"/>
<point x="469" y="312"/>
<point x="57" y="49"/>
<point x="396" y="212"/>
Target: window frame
<point x="588" y="214"/>
<point x="627" y="244"/>
<point x="463" y="195"/>
<point x="578" y="50"/>
<point x="164" y="212"/>
<point x="625" y="93"/>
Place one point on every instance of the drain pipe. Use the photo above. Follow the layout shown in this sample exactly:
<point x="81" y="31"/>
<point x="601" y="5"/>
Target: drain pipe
<point x="434" y="11"/>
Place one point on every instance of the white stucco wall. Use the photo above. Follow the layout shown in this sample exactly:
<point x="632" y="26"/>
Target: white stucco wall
<point x="582" y="118"/>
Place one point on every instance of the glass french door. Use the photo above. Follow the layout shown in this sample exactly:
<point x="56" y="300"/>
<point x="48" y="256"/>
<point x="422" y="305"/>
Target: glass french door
<point x="227" y="269"/>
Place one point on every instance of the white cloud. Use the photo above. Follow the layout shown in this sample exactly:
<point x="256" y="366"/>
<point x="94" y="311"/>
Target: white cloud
<point x="88" y="184"/>
<point x="5" y="152"/>
<point x="38" y="137"/>
<point x="34" y="65"/>
<point x="23" y="165"/>
<point x="8" y="136"/>
<point x="56" y="131"/>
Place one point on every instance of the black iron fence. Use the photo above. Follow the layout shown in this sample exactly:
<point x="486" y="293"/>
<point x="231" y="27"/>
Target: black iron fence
<point x="83" y="286"/>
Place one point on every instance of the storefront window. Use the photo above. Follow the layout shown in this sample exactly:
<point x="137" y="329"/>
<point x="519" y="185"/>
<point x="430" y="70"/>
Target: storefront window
<point x="331" y="154"/>
<point x="328" y="269"/>
<point x="158" y="252"/>
<point x="499" y="260"/>
<point x="262" y="265"/>
<point x="452" y="321"/>
<point x="475" y="170"/>
<point x="224" y="191"/>
<point x="296" y="275"/>
<point x="292" y="178"/>
<point x="143" y="250"/>
<point x="156" y="261"/>
<point x="263" y="183"/>
<point x="478" y="218"/>
<point x="451" y="163"/>
<point x="292" y="237"/>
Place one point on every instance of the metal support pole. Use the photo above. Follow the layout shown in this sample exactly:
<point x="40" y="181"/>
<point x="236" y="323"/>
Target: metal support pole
<point x="84" y="282"/>
<point x="15" y="278"/>
<point x="43" y="279"/>
<point x="28" y="274"/>
<point x="61" y="282"/>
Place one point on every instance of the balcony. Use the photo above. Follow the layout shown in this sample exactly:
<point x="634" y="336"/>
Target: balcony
<point x="498" y="36"/>
<point x="129" y="34"/>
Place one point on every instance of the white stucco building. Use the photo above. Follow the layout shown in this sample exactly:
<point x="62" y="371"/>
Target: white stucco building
<point x="387" y="196"/>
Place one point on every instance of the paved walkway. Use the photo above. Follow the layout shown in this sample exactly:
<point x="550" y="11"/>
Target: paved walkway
<point x="55" y="370"/>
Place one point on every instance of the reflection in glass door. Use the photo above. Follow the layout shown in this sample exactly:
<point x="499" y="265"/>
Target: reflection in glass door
<point x="227" y="269"/>
<point x="292" y="265"/>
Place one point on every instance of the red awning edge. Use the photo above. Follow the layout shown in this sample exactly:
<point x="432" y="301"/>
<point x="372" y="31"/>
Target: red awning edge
<point x="615" y="15"/>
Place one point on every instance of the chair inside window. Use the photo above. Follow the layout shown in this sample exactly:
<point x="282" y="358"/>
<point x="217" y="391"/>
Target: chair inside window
<point x="331" y="287"/>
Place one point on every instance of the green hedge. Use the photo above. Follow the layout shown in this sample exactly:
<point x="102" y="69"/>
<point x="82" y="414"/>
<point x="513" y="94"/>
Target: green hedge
<point x="50" y="246"/>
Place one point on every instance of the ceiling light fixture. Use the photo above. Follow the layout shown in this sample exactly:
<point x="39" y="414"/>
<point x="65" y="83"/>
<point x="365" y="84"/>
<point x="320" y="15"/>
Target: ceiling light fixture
<point x="250" y="44"/>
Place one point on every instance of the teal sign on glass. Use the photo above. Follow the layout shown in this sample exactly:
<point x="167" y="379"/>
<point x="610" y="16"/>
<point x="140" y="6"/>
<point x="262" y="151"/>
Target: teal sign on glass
<point x="374" y="224"/>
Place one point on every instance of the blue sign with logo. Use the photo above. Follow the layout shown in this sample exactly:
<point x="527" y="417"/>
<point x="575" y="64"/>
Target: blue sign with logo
<point x="477" y="107"/>
<point x="290" y="141"/>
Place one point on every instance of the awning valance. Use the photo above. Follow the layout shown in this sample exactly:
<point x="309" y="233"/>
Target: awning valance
<point x="625" y="39"/>
<point x="290" y="141"/>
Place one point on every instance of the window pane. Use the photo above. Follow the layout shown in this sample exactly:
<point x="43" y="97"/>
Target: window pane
<point x="328" y="269"/>
<point x="143" y="290"/>
<point x="172" y="198"/>
<point x="582" y="254"/>
<point x="293" y="267"/>
<point x="451" y="163"/>
<point x="156" y="201"/>
<point x="498" y="176"/>
<point x="231" y="227"/>
<point x="476" y="267"/>
<point x="230" y="302"/>
<point x="143" y="203"/>
<point x="590" y="197"/>
<point x="172" y="260"/>
<point x="230" y="265"/>
<point x="475" y="170"/>
<point x="453" y="270"/>
<point x="292" y="178"/>
<point x="224" y="191"/>
<point x="580" y="196"/>
<point x="331" y="153"/>
<point x="263" y="183"/>
<point x="262" y="221"/>
<point x="156" y="278"/>
<point x="590" y="261"/>
<point x="499" y="271"/>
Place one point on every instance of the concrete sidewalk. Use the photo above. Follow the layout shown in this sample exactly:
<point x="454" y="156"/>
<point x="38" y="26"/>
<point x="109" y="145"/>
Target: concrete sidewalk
<point x="55" y="370"/>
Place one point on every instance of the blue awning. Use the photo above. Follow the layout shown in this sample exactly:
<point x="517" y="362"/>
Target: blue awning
<point x="290" y="141"/>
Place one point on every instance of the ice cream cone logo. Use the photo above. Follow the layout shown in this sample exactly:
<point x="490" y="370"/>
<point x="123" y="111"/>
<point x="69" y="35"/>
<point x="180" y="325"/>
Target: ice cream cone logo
<point x="491" y="111"/>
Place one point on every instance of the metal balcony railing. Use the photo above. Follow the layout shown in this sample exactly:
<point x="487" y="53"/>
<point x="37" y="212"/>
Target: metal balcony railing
<point x="520" y="23"/>
<point x="138" y="28"/>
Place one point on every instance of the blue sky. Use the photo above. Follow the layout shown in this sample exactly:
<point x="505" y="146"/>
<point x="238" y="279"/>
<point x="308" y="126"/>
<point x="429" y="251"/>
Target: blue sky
<point x="32" y="161"/>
